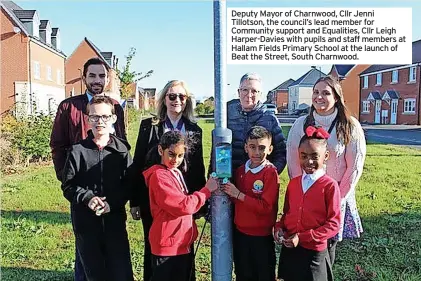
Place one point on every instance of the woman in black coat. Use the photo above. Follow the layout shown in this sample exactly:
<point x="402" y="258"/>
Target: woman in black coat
<point x="174" y="112"/>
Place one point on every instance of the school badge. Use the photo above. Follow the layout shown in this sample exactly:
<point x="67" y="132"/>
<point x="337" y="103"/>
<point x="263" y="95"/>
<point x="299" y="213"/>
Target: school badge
<point x="258" y="187"/>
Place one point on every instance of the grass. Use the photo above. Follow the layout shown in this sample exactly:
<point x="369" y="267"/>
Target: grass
<point x="37" y="241"/>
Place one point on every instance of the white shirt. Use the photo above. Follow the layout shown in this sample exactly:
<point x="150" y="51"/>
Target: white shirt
<point x="254" y="170"/>
<point x="307" y="180"/>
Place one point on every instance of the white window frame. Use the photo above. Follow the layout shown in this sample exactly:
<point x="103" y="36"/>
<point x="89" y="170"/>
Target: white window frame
<point x="49" y="73"/>
<point x="379" y="79"/>
<point x="395" y="76"/>
<point x="58" y="77"/>
<point x="366" y="106"/>
<point x="412" y="74"/>
<point x="37" y="70"/>
<point x="409" y="106"/>
<point x="365" y="82"/>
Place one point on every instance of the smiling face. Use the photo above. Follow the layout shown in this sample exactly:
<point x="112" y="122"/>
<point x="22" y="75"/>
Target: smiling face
<point x="249" y="93"/>
<point x="257" y="150"/>
<point x="175" y="100"/>
<point x="313" y="154"/>
<point x="96" y="79"/>
<point x="323" y="98"/>
<point x="173" y="156"/>
<point x="101" y="119"/>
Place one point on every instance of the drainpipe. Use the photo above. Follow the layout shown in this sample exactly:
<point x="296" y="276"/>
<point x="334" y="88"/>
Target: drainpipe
<point x="30" y="74"/>
<point x="419" y="93"/>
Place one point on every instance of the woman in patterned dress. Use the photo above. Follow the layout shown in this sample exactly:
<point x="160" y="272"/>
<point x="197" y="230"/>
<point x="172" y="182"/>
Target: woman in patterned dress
<point x="347" y="148"/>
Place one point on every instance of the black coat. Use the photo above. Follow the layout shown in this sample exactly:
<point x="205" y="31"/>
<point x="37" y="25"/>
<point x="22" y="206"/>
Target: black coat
<point x="102" y="241"/>
<point x="90" y="172"/>
<point x="195" y="175"/>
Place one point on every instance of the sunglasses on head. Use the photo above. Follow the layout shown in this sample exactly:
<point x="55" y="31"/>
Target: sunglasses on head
<point x="173" y="96"/>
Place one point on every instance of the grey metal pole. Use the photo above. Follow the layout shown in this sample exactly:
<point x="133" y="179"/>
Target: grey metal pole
<point x="221" y="211"/>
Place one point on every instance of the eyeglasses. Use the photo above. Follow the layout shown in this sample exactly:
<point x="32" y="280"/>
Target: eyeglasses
<point x="95" y="118"/>
<point x="245" y="91"/>
<point x="173" y="96"/>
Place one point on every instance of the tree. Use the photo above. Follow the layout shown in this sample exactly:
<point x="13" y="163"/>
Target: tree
<point x="127" y="77"/>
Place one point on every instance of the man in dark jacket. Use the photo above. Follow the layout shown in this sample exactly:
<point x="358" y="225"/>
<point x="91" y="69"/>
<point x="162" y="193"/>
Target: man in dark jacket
<point x="71" y="123"/>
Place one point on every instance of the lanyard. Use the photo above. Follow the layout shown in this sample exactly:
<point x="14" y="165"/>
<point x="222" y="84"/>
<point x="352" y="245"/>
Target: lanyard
<point x="171" y="127"/>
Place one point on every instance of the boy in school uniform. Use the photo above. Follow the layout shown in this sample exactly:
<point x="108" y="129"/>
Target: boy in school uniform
<point x="311" y="214"/>
<point x="94" y="183"/>
<point x="255" y="196"/>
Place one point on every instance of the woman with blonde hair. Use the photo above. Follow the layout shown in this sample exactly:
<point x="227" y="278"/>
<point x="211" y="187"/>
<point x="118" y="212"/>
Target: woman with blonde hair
<point x="174" y="112"/>
<point x="347" y="148"/>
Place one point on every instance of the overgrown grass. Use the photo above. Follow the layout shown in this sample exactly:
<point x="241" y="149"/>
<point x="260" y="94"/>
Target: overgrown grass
<point x="37" y="241"/>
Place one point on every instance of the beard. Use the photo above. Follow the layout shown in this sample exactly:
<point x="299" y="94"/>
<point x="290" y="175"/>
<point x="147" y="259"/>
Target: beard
<point x="99" y="88"/>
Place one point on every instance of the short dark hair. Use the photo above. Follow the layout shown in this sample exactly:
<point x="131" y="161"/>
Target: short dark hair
<point x="102" y="99"/>
<point x="94" y="61"/>
<point x="258" y="132"/>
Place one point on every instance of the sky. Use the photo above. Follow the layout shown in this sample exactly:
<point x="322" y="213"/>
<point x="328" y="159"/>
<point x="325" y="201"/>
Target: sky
<point x="175" y="38"/>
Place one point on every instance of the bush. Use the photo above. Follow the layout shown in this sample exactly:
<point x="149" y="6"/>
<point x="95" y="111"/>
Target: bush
<point x="26" y="139"/>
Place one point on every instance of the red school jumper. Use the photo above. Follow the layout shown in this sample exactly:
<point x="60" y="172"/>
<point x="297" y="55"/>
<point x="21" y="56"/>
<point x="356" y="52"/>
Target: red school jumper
<point x="256" y="215"/>
<point x="314" y="215"/>
<point x="173" y="228"/>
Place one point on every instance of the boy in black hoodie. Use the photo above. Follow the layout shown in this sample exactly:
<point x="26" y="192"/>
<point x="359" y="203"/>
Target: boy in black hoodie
<point x="94" y="182"/>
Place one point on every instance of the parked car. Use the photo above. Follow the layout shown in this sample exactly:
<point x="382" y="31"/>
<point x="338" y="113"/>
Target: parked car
<point x="271" y="107"/>
<point x="301" y="111"/>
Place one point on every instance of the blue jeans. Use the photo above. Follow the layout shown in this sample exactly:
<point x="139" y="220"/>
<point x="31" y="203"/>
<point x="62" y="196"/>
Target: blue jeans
<point x="79" y="271"/>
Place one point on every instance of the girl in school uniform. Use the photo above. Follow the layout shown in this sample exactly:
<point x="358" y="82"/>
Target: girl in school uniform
<point x="173" y="229"/>
<point x="347" y="148"/>
<point x="311" y="214"/>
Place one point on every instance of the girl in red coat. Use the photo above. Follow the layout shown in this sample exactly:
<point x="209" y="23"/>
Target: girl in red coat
<point x="173" y="229"/>
<point x="311" y="214"/>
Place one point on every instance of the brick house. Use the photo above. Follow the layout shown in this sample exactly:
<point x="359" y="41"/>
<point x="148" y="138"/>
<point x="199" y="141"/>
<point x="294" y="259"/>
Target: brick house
<point x="147" y="98"/>
<point x="32" y="64"/>
<point x="349" y="79"/>
<point x="300" y="91"/>
<point x="279" y="95"/>
<point x="74" y="69"/>
<point x="390" y="94"/>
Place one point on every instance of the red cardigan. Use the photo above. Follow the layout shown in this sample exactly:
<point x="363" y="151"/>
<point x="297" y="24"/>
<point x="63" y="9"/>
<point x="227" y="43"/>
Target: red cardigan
<point x="173" y="228"/>
<point x="256" y="215"/>
<point x="315" y="215"/>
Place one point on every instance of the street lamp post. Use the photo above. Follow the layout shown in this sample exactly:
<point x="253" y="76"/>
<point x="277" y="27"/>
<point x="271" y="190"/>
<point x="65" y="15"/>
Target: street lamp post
<point x="221" y="211"/>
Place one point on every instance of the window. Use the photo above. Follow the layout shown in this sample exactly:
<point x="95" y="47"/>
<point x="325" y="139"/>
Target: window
<point x="412" y="74"/>
<point x="37" y="70"/>
<point x="59" y="77"/>
<point x="366" y="106"/>
<point x="409" y="106"/>
<point x="49" y="75"/>
<point x="395" y="76"/>
<point x="378" y="79"/>
<point x="365" y="82"/>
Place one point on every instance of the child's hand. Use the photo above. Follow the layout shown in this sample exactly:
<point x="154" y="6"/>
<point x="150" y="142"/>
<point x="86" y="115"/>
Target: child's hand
<point x="96" y="203"/>
<point x="278" y="235"/>
<point x="292" y="241"/>
<point x="211" y="184"/>
<point x="135" y="212"/>
<point x="231" y="190"/>
<point x="104" y="210"/>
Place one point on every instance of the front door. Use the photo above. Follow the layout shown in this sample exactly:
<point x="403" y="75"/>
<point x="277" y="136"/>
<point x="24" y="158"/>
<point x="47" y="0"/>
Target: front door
<point x="393" y="111"/>
<point x="377" y="111"/>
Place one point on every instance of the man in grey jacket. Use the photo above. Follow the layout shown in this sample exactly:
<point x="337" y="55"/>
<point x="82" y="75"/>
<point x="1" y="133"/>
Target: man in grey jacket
<point x="248" y="111"/>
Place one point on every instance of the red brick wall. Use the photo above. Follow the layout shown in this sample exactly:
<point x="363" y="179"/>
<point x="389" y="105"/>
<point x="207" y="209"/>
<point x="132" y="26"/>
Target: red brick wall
<point x="405" y="90"/>
<point x="14" y="61"/>
<point x="281" y="98"/>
